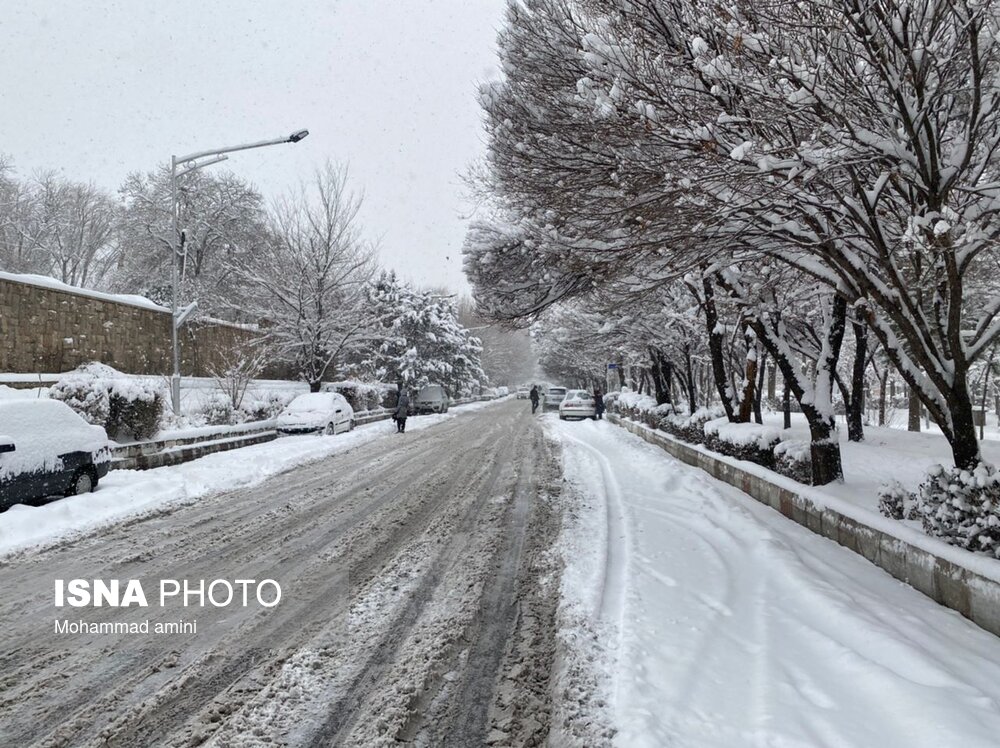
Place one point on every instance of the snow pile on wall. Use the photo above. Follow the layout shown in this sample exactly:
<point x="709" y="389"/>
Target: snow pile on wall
<point x="43" y="281"/>
<point x="41" y="430"/>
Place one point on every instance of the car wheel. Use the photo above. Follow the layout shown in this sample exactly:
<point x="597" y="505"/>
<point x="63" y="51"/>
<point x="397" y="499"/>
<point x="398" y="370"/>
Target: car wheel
<point x="329" y="430"/>
<point x="350" y="426"/>
<point x="562" y="417"/>
<point x="83" y="482"/>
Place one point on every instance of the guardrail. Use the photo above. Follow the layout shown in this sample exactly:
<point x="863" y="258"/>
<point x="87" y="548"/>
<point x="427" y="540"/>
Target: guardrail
<point x="175" y="450"/>
<point x="946" y="581"/>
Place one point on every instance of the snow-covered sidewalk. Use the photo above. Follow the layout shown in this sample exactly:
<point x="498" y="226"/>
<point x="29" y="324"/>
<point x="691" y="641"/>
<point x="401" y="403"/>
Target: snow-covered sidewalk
<point x="728" y="625"/>
<point x="125" y="494"/>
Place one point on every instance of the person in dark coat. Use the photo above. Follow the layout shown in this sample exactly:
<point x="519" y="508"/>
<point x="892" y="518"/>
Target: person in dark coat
<point x="599" y="403"/>
<point x="533" y="396"/>
<point x="402" y="410"/>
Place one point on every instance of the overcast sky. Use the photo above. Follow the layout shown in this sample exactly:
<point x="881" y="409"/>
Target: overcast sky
<point x="99" y="89"/>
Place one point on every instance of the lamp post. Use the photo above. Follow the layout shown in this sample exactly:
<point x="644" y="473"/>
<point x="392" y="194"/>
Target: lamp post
<point x="179" y="166"/>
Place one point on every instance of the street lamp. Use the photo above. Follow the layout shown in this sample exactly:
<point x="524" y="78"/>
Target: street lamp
<point x="179" y="166"/>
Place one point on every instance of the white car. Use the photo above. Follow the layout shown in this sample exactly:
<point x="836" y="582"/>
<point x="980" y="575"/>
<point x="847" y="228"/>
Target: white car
<point x="432" y="398"/>
<point x="578" y="404"/>
<point x="553" y="397"/>
<point x="323" y="412"/>
<point x="523" y="393"/>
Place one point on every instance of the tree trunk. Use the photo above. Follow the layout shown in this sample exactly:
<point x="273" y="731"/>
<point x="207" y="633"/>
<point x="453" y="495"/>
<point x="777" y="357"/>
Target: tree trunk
<point x="758" y="417"/>
<point x="692" y="392"/>
<point x="914" y="420"/>
<point x="825" y="449"/>
<point x="856" y="405"/>
<point x="881" y="396"/>
<point x="825" y="453"/>
<point x="772" y="382"/>
<point x="749" y="387"/>
<point x="660" y="372"/>
<point x="314" y="386"/>
<point x="964" y="444"/>
<point x="715" y="349"/>
<point x="786" y="405"/>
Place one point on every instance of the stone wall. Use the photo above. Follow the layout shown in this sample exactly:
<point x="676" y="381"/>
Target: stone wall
<point x="47" y="330"/>
<point x="975" y="596"/>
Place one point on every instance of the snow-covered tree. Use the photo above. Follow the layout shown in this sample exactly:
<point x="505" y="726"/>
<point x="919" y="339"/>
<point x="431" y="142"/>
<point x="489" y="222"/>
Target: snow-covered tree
<point x="222" y="222"/>
<point x="421" y="339"/>
<point x="307" y="283"/>
<point x="51" y="225"/>
<point x="853" y="143"/>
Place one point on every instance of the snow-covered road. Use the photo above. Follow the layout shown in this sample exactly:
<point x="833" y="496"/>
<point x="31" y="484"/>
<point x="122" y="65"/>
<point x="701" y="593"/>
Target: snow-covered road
<point x="418" y="604"/>
<point x="725" y="625"/>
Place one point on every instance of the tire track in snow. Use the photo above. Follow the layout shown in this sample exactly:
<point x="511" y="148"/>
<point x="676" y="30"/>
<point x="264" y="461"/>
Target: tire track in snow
<point x="611" y="599"/>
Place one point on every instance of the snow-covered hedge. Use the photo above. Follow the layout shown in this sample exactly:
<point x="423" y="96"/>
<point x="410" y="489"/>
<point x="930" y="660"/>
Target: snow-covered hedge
<point x="961" y="507"/>
<point x="793" y="459"/>
<point x="361" y="395"/>
<point x="128" y="407"/>
<point x="744" y="441"/>
<point x="691" y="428"/>
<point x="218" y="409"/>
<point x="265" y="406"/>
<point x="638" y="407"/>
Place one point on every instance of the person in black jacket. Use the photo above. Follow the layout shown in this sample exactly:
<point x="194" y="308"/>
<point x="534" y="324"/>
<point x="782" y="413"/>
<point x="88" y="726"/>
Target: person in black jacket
<point x="533" y="396"/>
<point x="599" y="403"/>
<point x="402" y="410"/>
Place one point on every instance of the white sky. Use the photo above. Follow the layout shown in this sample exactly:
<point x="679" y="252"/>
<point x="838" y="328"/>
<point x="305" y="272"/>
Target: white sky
<point x="99" y="89"/>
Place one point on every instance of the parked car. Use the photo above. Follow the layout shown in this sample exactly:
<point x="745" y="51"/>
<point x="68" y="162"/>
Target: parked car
<point x="553" y="396"/>
<point x="522" y="393"/>
<point x="431" y="399"/>
<point x="47" y="450"/>
<point x="578" y="404"/>
<point x="502" y="391"/>
<point x="316" y="412"/>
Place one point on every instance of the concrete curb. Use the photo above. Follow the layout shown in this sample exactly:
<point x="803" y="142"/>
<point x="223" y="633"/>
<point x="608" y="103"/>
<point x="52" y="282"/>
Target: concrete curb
<point x="963" y="590"/>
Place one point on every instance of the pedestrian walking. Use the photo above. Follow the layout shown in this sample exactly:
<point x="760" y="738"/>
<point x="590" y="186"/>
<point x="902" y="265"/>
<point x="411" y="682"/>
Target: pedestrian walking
<point x="533" y="396"/>
<point x="402" y="410"/>
<point x="598" y="403"/>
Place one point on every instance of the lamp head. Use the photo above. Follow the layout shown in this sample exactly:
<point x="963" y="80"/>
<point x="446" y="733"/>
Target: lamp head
<point x="298" y="135"/>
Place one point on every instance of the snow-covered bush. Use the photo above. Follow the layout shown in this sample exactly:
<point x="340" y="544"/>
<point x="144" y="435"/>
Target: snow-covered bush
<point x="691" y="428"/>
<point x="361" y="395"/>
<point x="264" y="407"/>
<point x="611" y="402"/>
<point x="638" y="407"/>
<point x="218" y="410"/>
<point x="962" y="507"/>
<point x="744" y="441"/>
<point x="128" y="407"/>
<point x="897" y="502"/>
<point x="793" y="459"/>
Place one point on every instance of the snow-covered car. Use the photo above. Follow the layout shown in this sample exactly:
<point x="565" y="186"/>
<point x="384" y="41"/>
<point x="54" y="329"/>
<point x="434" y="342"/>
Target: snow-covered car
<point x="46" y="449"/>
<point x="554" y="396"/>
<point x="522" y="393"/>
<point x="431" y="399"/>
<point x="502" y="391"/>
<point x="578" y="404"/>
<point x="323" y="412"/>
